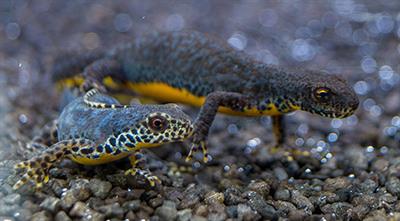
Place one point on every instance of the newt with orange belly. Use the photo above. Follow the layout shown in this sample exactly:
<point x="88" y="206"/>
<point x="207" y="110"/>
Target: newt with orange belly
<point x="198" y="70"/>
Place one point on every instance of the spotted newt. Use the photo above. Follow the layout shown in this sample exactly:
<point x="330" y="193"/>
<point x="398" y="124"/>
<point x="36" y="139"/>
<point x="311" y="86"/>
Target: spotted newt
<point x="97" y="129"/>
<point x="199" y="70"/>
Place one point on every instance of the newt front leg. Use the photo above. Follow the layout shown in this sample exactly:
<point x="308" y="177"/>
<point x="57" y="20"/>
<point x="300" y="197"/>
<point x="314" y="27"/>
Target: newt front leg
<point x="136" y="160"/>
<point x="235" y="101"/>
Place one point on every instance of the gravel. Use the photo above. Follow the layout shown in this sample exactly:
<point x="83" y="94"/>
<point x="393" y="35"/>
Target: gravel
<point x="352" y="174"/>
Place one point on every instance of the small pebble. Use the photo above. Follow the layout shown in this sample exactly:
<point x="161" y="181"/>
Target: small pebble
<point x="167" y="211"/>
<point x="62" y="216"/>
<point x="133" y="205"/>
<point x="282" y="194"/>
<point x="333" y="184"/>
<point x="51" y="204"/>
<point x="81" y="189"/>
<point x="246" y="213"/>
<point x="100" y="188"/>
<point x="393" y="186"/>
<point x="214" y="197"/>
<point x="13" y="198"/>
<point x="41" y="216"/>
<point x="184" y="215"/>
<point x="112" y="211"/>
<point x="68" y="200"/>
<point x="156" y="202"/>
<point x="340" y="209"/>
<point x="280" y="173"/>
<point x="302" y="202"/>
<point x="261" y="187"/>
<point x="232" y="196"/>
<point x="232" y="211"/>
<point x="257" y="203"/>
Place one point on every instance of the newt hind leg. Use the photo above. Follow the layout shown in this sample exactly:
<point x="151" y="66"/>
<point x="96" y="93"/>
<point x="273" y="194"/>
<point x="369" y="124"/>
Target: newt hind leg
<point x="37" y="168"/>
<point x="278" y="124"/>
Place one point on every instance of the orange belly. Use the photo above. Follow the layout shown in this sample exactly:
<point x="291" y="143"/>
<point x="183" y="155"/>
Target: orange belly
<point x="165" y="93"/>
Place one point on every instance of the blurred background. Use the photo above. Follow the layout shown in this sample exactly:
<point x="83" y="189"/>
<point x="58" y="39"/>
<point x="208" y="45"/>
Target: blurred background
<point x="356" y="39"/>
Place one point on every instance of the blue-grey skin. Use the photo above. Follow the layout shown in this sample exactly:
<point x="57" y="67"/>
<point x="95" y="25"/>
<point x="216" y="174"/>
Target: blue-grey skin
<point x="96" y="135"/>
<point x="78" y="120"/>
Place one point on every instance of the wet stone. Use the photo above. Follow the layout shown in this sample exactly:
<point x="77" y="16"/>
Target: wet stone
<point x="393" y="186"/>
<point x="232" y="196"/>
<point x="368" y="186"/>
<point x="156" y="202"/>
<point x="201" y="211"/>
<point x="232" y="211"/>
<point x="280" y="173"/>
<point x="214" y="198"/>
<point x="388" y="198"/>
<point x="81" y="189"/>
<point x="284" y="208"/>
<point x="184" y="215"/>
<point x="6" y="209"/>
<point x="41" y="216"/>
<point x="333" y="184"/>
<point x="246" y="213"/>
<point x="147" y="195"/>
<point x="29" y="205"/>
<point x="133" y="205"/>
<point x="341" y="209"/>
<point x="62" y="216"/>
<point x="22" y="214"/>
<point x="167" y="211"/>
<point x="112" y="211"/>
<point x="282" y="194"/>
<point x="260" y="187"/>
<point x="297" y="215"/>
<point x="51" y="204"/>
<point x="365" y="199"/>
<point x="329" y="197"/>
<point x="257" y="203"/>
<point x="380" y="165"/>
<point x="302" y="202"/>
<point x="145" y="208"/>
<point x="12" y="199"/>
<point x="359" y="212"/>
<point x="100" y="188"/>
<point x="130" y="216"/>
<point x="198" y="218"/>
<point x="190" y="199"/>
<point x="79" y="210"/>
<point x="221" y="216"/>
<point x="68" y="200"/>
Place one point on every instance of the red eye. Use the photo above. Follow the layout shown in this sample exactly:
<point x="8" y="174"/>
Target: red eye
<point x="158" y="123"/>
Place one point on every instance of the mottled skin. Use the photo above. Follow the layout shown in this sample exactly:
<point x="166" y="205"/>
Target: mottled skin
<point x="221" y="76"/>
<point x="96" y="129"/>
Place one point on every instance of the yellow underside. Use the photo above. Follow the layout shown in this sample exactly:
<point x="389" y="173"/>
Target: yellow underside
<point x="164" y="93"/>
<point x="106" y="158"/>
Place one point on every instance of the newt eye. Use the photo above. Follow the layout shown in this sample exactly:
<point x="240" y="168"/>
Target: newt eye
<point x="158" y="123"/>
<point x="323" y="94"/>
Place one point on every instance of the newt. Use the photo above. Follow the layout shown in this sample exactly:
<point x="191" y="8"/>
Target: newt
<point x="96" y="129"/>
<point x="196" y="69"/>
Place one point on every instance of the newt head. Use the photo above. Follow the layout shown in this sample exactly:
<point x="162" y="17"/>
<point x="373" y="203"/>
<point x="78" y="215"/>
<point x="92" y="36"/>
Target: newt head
<point x="327" y="95"/>
<point x="163" y="124"/>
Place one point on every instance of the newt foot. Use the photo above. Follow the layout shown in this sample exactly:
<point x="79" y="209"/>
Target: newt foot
<point x="152" y="179"/>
